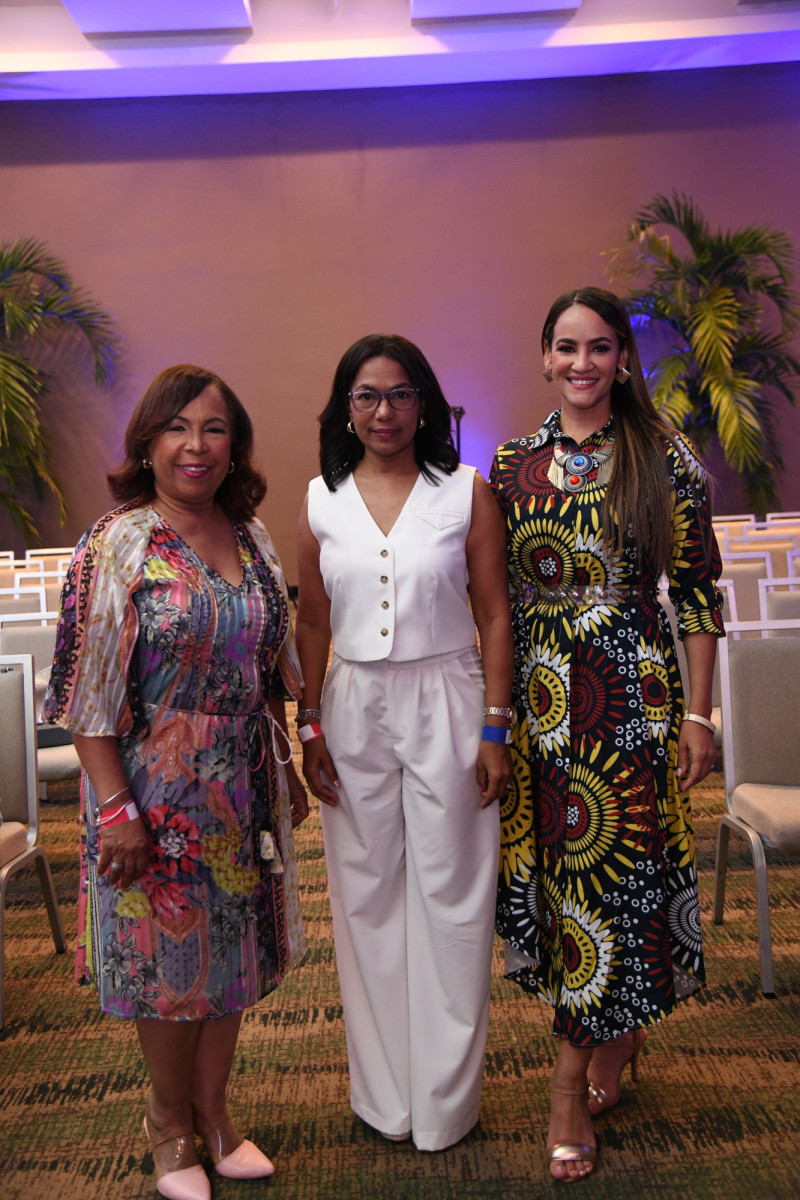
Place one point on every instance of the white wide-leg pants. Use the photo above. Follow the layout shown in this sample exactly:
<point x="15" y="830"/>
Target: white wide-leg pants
<point x="412" y="868"/>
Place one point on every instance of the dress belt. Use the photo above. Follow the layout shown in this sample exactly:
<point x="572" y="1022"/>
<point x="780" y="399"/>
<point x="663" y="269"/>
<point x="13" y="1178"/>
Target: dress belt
<point x="587" y="594"/>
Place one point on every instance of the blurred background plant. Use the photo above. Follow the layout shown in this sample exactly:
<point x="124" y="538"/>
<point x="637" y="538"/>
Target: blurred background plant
<point x="720" y="317"/>
<point x="39" y="304"/>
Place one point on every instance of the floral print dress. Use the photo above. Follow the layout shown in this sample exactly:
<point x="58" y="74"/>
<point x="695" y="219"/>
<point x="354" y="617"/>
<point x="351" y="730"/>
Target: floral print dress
<point x="157" y="650"/>
<point x="597" y="894"/>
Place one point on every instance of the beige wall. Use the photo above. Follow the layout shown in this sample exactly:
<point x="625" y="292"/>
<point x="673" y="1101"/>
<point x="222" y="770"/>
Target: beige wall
<point x="259" y="236"/>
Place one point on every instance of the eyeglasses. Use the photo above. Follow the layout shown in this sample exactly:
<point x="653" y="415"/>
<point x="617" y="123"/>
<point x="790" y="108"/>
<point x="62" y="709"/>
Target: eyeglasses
<point x="400" y="398"/>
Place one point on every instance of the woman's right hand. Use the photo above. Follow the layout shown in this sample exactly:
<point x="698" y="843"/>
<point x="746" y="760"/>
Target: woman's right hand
<point x="125" y="852"/>
<point x="319" y="771"/>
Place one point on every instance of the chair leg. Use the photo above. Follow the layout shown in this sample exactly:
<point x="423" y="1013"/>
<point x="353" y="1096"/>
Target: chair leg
<point x="762" y="907"/>
<point x="2" y="961"/>
<point x="726" y="823"/>
<point x="721" y="870"/>
<point x="51" y="903"/>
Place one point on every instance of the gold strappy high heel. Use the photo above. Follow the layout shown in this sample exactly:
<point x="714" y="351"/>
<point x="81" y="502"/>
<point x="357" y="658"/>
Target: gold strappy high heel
<point x="601" y="1101"/>
<point x="571" y="1151"/>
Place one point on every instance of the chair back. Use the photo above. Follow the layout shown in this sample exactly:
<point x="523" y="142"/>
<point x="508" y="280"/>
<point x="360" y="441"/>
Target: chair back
<point x="22" y="600"/>
<point x="760" y="704"/>
<point x="18" y="777"/>
<point x="779" y="600"/>
<point x="27" y="637"/>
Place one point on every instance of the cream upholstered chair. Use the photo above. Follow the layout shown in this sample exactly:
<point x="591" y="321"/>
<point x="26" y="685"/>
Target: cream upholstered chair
<point x="19" y="802"/>
<point x="760" y="679"/>
<point x="57" y="757"/>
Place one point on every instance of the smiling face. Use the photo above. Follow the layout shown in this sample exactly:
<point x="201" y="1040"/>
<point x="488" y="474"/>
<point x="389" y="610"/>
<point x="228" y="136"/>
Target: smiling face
<point x="385" y="432"/>
<point x="191" y="457"/>
<point x="583" y="359"/>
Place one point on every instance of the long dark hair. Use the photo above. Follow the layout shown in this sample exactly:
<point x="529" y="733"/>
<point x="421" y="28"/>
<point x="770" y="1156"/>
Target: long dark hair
<point x="341" y="451"/>
<point x="639" y="496"/>
<point x="240" y="492"/>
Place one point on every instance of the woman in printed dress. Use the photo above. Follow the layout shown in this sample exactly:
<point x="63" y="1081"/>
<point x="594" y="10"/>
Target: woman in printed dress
<point x="174" y="657"/>
<point x="598" y="886"/>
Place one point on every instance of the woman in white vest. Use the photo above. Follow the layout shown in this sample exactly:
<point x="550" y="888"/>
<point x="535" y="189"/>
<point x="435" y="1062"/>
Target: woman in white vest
<point x="401" y="553"/>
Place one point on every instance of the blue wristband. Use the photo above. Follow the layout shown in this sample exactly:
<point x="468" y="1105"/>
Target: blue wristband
<point x="496" y="733"/>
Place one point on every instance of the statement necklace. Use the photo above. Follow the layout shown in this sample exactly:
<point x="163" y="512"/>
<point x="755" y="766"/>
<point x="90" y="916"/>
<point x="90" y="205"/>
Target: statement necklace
<point x="570" y="470"/>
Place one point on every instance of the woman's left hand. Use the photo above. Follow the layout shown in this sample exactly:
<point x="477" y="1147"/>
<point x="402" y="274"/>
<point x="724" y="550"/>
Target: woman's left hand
<point x="695" y="754"/>
<point x="494" y="772"/>
<point x="297" y="796"/>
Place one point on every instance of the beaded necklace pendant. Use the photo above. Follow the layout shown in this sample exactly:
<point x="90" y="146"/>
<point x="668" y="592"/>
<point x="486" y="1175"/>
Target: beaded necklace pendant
<point x="570" y="471"/>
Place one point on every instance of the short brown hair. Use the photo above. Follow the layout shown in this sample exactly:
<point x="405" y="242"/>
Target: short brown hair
<point x="240" y="492"/>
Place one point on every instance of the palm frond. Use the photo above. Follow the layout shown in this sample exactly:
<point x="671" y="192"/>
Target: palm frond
<point x="98" y="328"/>
<point x="713" y="325"/>
<point x="738" y="424"/>
<point x="21" y="518"/>
<point x="29" y="256"/>
<point x="38" y="298"/>
<point x="680" y="211"/>
<point x="20" y="385"/>
<point x="715" y="306"/>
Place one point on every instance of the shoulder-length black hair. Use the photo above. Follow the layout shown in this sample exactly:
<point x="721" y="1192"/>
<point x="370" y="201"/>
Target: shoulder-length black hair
<point x="240" y="492"/>
<point x="639" y="496"/>
<point x="340" y="451"/>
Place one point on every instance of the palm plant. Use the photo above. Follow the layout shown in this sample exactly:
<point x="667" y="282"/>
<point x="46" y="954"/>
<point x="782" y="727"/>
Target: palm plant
<point x="726" y="313"/>
<point x="38" y="302"/>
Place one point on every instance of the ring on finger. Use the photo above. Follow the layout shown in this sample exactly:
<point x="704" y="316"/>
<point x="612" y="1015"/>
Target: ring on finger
<point x="117" y="866"/>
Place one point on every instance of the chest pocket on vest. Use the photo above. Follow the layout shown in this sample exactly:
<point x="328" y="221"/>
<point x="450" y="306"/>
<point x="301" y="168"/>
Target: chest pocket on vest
<point x="440" y="520"/>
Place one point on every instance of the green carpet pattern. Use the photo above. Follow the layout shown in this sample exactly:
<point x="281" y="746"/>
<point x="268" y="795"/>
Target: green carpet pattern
<point x="716" y="1112"/>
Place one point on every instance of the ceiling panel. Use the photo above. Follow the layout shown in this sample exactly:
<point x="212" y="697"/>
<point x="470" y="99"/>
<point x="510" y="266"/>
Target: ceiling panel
<point x="158" y="16"/>
<point x="422" y="10"/>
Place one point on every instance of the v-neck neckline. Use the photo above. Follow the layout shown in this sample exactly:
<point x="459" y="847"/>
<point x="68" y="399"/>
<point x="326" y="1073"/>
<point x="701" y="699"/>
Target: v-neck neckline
<point x="399" y="516"/>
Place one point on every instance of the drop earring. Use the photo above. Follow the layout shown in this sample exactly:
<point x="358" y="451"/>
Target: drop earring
<point x="623" y="375"/>
<point x="548" y="374"/>
<point x="350" y="427"/>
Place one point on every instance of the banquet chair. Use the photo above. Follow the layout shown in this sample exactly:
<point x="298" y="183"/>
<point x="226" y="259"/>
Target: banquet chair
<point x="760" y="679"/>
<point x="19" y="803"/>
<point x="57" y="757"/>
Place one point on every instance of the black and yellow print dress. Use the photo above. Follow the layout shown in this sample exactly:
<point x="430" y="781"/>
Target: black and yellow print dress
<point x="597" y="899"/>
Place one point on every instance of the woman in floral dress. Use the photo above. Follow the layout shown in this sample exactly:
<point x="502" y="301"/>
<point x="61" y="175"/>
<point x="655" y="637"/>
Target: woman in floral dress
<point x="174" y="656"/>
<point x="598" y="886"/>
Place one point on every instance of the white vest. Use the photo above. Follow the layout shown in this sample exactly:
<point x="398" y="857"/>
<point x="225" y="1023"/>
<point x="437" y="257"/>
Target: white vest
<point x="403" y="595"/>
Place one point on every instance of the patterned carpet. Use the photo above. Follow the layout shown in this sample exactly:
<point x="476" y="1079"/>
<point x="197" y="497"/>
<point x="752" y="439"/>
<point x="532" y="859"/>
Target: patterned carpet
<point x="716" y="1112"/>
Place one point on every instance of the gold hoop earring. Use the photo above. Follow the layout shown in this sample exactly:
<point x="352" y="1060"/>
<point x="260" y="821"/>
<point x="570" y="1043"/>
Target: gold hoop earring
<point x="350" y="427"/>
<point x="148" y="466"/>
<point x="623" y="375"/>
<point x="548" y="374"/>
<point x="231" y="467"/>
